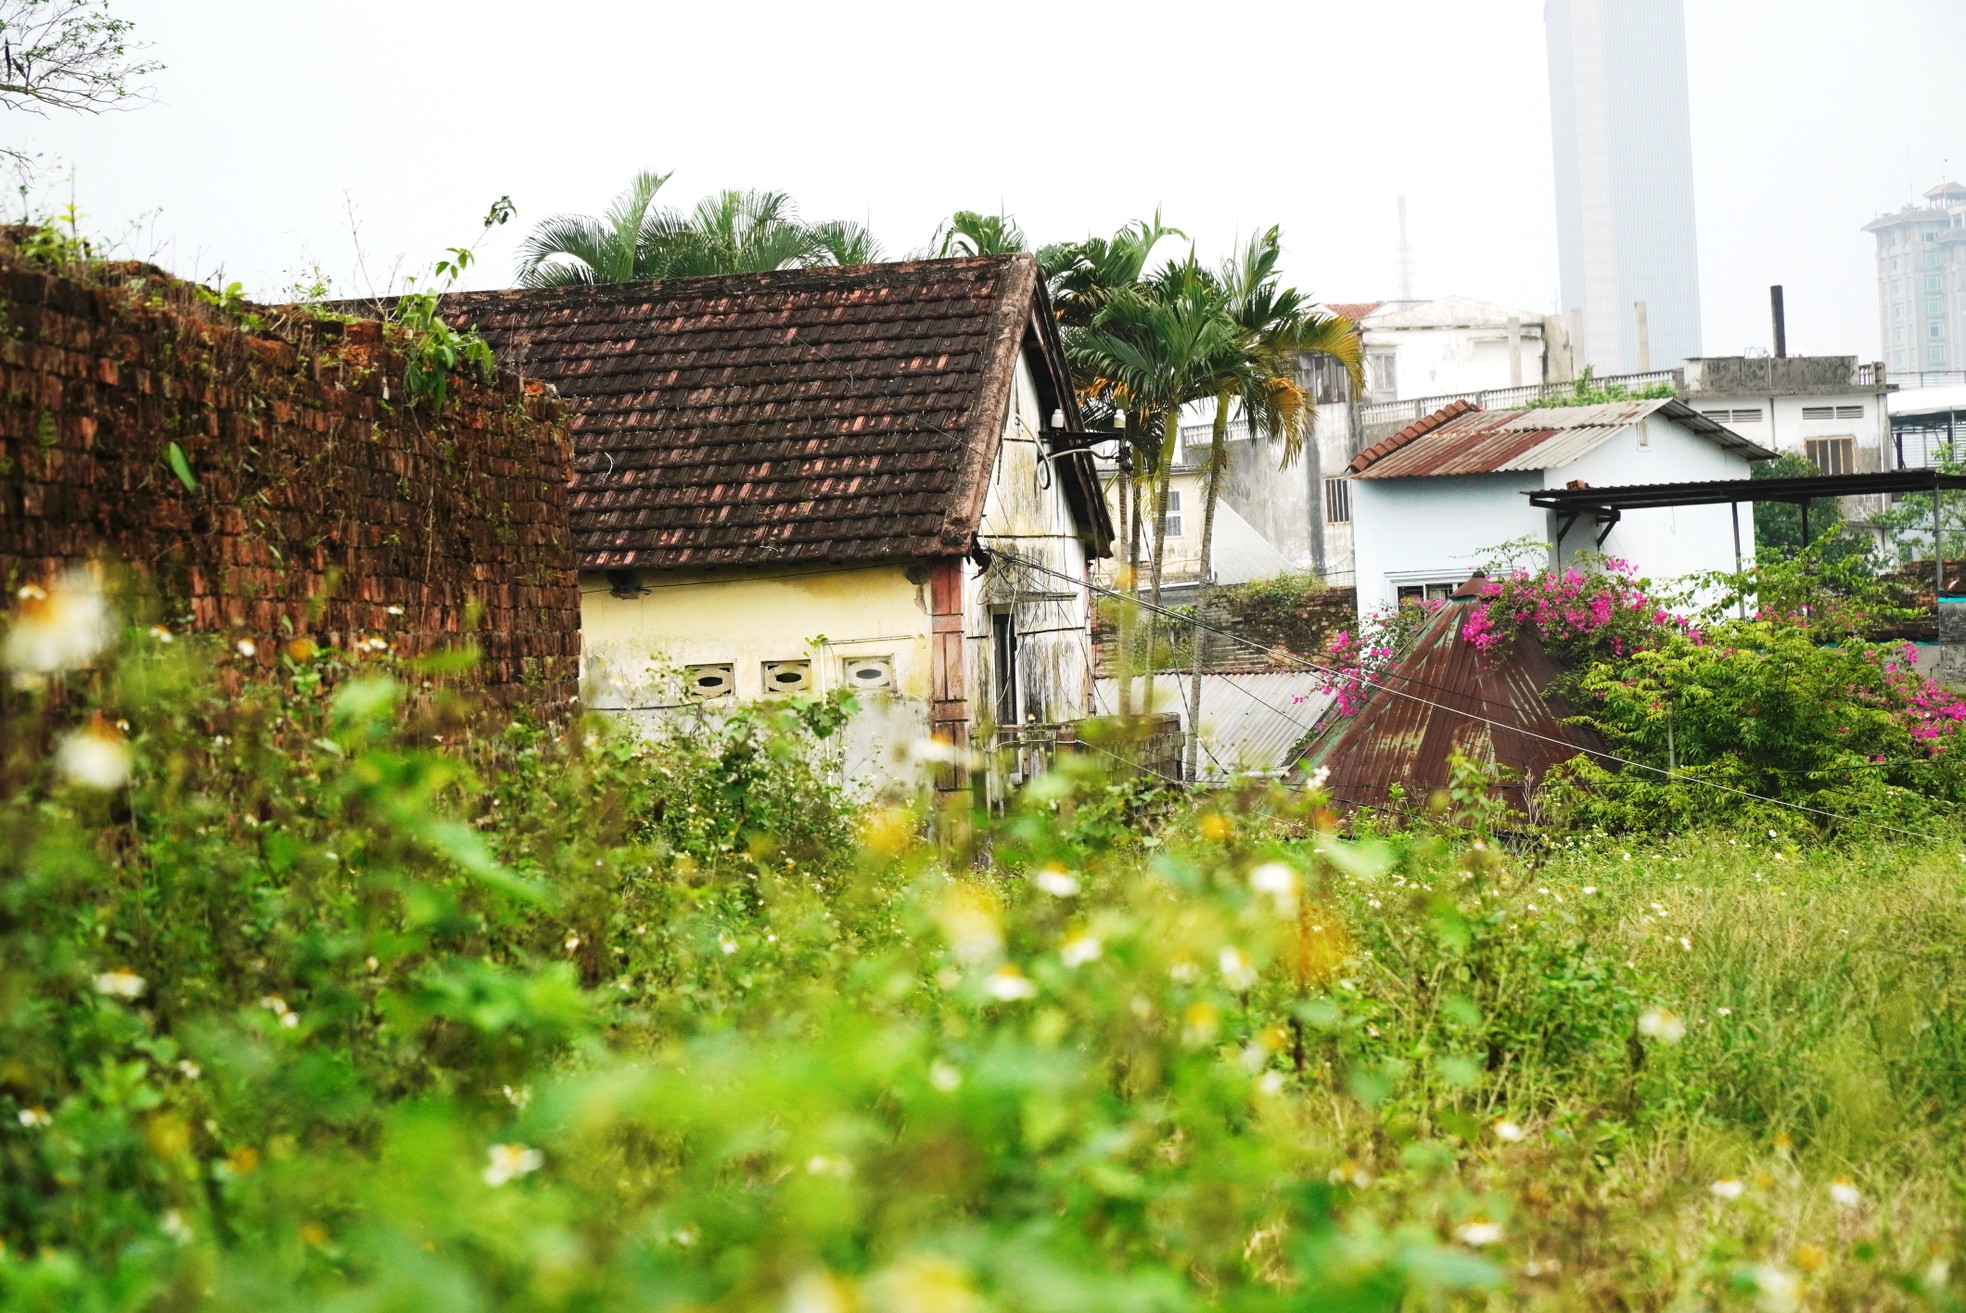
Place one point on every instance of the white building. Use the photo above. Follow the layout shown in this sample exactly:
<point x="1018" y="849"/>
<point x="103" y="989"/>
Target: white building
<point x="1622" y="140"/>
<point x="1433" y="502"/>
<point x="1921" y="282"/>
<point x="1829" y="409"/>
<point x="1457" y="344"/>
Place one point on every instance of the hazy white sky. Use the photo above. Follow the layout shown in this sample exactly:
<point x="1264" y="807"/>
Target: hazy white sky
<point x="1809" y="117"/>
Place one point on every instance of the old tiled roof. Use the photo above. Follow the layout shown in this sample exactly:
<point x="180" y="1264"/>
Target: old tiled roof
<point x="1462" y="438"/>
<point x="802" y="416"/>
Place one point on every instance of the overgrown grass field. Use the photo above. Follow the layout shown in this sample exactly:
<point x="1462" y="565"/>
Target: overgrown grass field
<point x="311" y="999"/>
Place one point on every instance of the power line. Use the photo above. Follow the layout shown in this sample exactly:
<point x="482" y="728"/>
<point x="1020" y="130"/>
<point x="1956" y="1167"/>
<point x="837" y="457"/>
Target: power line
<point x="1516" y="728"/>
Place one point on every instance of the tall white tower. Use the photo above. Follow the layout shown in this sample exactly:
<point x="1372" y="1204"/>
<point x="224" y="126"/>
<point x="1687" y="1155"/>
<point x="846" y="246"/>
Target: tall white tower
<point x="1623" y="143"/>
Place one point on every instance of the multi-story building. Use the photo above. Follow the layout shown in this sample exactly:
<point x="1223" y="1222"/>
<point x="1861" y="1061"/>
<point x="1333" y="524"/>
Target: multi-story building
<point x="1622" y="135"/>
<point x="1921" y="283"/>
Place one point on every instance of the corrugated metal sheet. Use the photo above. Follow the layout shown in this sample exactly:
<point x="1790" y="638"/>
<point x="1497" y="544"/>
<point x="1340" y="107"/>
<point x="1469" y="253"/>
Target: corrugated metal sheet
<point x="1249" y="722"/>
<point x="1461" y="438"/>
<point x="1406" y="740"/>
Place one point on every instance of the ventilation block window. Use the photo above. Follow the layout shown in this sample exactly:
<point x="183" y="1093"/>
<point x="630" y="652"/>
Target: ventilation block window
<point x="1849" y="412"/>
<point x="868" y="673"/>
<point x="1832" y="455"/>
<point x="1338" y="501"/>
<point x="788" y="676"/>
<point x="708" y="683"/>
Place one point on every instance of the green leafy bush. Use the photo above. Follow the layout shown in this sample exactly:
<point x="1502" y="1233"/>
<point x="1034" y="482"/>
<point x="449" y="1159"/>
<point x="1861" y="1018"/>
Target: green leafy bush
<point x="310" y="999"/>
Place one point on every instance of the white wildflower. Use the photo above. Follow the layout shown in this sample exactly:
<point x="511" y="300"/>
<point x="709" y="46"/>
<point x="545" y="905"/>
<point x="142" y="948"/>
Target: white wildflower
<point x="189" y="1069"/>
<point x="247" y="648"/>
<point x="1079" y="949"/>
<point x="572" y="942"/>
<point x="1316" y="779"/>
<point x="162" y="634"/>
<point x="817" y="1292"/>
<point x="62" y="627"/>
<point x="1725" y="1012"/>
<point x="1058" y="883"/>
<point x="173" y="1225"/>
<point x="726" y="945"/>
<point x="1776" y="1290"/>
<point x="121" y="983"/>
<point x="1007" y="984"/>
<point x="1686" y="943"/>
<point x="1509" y="1132"/>
<point x="1661" y="1024"/>
<point x="1843" y="1193"/>
<point x="1479" y="1231"/>
<point x="1279" y="883"/>
<point x="944" y="1077"/>
<point x="1726" y="1188"/>
<point x="1238" y="972"/>
<point x="34" y="1118"/>
<point x="506" y="1162"/>
<point x="828" y="1164"/>
<point x="95" y="757"/>
<point x="394" y="610"/>
<point x="1270" y="1083"/>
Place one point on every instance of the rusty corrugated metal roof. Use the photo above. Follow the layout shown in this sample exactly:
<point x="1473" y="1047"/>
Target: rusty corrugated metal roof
<point x="1453" y="690"/>
<point x="1462" y="438"/>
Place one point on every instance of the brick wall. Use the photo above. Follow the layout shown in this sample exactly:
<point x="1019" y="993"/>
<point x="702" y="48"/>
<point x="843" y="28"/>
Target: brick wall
<point x="324" y="501"/>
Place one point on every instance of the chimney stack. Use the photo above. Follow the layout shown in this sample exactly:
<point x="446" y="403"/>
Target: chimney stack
<point x="1781" y="322"/>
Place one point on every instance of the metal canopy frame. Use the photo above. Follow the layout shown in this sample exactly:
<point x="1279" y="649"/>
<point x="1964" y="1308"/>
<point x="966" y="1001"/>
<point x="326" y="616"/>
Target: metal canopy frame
<point x="1601" y="503"/>
<point x="1607" y="505"/>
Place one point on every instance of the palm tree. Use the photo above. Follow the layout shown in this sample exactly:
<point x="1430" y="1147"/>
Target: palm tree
<point x="1167" y="342"/>
<point x="1275" y="328"/>
<point x="730" y="232"/>
<point x="629" y="243"/>
<point x="1082" y="277"/>
<point x="970" y="232"/>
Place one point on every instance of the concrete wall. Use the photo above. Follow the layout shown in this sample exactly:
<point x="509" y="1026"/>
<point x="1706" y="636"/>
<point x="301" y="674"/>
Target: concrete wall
<point x="1670" y="542"/>
<point x="1435" y="529"/>
<point x="1432" y="361"/>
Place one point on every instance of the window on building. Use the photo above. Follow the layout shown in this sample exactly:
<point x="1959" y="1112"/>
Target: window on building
<point x="1174" y="512"/>
<point x="1897" y="360"/>
<point x="1934" y="306"/>
<point x="1849" y="412"/>
<point x="1898" y="334"/>
<point x="1338" y="501"/>
<point x="1725" y="416"/>
<point x="1932" y="283"/>
<point x="1935" y="330"/>
<point x="1003" y="667"/>
<point x="1438" y="591"/>
<point x="1819" y="412"/>
<point x="1832" y="455"/>
<point x="1935" y="355"/>
<point x="1931" y="259"/>
<point x="1897" y="312"/>
<point x="1382" y="375"/>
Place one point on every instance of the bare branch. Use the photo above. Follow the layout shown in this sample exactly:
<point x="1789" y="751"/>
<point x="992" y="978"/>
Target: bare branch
<point x="69" y="55"/>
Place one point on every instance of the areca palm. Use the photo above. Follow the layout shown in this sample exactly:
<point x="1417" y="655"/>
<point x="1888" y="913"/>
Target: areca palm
<point x="1165" y="343"/>
<point x="729" y="232"/>
<point x="1275" y="328"/>
<point x="629" y="243"/>
<point x="970" y="232"/>
<point x="1082" y="277"/>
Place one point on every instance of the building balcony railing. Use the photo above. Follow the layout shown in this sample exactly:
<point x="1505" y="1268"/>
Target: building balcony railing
<point x="1401" y="413"/>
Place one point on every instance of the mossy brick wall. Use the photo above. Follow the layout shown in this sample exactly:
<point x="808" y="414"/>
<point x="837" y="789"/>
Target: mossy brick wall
<point x="323" y="499"/>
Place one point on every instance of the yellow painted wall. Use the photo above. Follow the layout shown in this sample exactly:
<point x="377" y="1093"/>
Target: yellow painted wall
<point x="631" y="645"/>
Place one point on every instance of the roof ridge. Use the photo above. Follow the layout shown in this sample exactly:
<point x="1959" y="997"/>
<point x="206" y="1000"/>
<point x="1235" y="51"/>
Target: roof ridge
<point x="1419" y="428"/>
